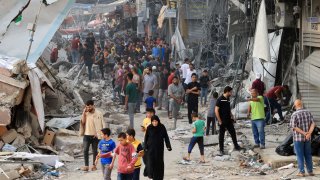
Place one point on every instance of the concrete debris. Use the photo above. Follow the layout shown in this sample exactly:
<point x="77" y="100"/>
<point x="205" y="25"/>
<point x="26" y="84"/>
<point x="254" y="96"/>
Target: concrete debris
<point x="8" y="148"/>
<point x="68" y="143"/>
<point x="19" y="141"/>
<point x="222" y="158"/>
<point x="48" y="138"/>
<point x="63" y="122"/>
<point x="184" y="162"/>
<point x="289" y="166"/>
<point x="51" y="160"/>
<point x="66" y="132"/>
<point x="9" y="136"/>
<point x="211" y="140"/>
<point x="26" y="130"/>
<point x="11" y="175"/>
<point x="66" y="158"/>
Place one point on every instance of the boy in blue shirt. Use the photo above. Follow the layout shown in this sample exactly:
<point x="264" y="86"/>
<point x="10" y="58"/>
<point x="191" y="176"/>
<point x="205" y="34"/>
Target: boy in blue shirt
<point x="198" y="129"/>
<point x="150" y="101"/>
<point x="106" y="147"/>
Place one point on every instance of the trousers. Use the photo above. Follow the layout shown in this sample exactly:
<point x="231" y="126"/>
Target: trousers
<point x="87" y="141"/>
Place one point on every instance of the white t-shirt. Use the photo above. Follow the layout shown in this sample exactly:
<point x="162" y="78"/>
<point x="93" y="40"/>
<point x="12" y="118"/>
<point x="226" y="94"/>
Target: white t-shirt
<point x="188" y="77"/>
<point x="184" y="68"/>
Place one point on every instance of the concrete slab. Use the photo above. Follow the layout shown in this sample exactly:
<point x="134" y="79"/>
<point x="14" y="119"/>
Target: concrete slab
<point x="9" y="136"/>
<point x="211" y="140"/>
<point x="5" y="116"/>
<point x="270" y="156"/>
<point x="5" y="72"/>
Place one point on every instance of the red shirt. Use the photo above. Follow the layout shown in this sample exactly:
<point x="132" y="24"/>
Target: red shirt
<point x="170" y="78"/>
<point x="127" y="157"/>
<point x="75" y="43"/>
<point x="271" y="93"/>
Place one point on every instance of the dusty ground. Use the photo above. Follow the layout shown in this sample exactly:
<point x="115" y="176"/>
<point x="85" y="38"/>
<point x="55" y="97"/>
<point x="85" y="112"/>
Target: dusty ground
<point x="213" y="169"/>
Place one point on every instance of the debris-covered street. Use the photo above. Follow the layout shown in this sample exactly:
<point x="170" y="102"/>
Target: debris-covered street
<point x="159" y="89"/>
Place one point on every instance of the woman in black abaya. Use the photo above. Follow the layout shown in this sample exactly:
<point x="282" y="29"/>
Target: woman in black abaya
<point x="155" y="137"/>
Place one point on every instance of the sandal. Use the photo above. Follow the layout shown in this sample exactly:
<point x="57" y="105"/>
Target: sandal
<point x="300" y="174"/>
<point x="186" y="159"/>
<point x="202" y="162"/>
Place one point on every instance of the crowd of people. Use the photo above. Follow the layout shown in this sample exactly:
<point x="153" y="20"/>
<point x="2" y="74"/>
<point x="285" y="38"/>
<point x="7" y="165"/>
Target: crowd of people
<point x="145" y="77"/>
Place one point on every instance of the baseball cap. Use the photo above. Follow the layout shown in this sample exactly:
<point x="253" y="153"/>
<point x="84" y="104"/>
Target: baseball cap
<point x="258" y="76"/>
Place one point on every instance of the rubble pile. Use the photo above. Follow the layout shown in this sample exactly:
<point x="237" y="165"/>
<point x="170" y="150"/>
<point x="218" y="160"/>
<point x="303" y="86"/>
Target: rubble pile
<point x="40" y="146"/>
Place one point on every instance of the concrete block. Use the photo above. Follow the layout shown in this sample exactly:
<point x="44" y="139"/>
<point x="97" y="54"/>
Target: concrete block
<point x="116" y="129"/>
<point x="269" y="156"/>
<point x="5" y="116"/>
<point x="48" y="138"/>
<point x="211" y="140"/>
<point x="5" y="72"/>
<point x="66" y="132"/>
<point x="13" y="174"/>
<point x="19" y="141"/>
<point x="26" y="130"/>
<point x="67" y="143"/>
<point x="9" y="136"/>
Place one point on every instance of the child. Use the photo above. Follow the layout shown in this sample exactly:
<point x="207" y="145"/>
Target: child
<point x="198" y="132"/>
<point x="138" y="147"/>
<point x="127" y="158"/>
<point x="150" y="101"/>
<point x="147" y="121"/>
<point x="105" y="146"/>
<point x="211" y="117"/>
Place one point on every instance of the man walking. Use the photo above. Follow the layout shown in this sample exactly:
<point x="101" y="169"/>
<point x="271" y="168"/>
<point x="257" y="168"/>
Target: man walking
<point x="204" y="84"/>
<point x="176" y="94"/>
<point x="156" y="75"/>
<point x="91" y="124"/>
<point x="119" y="78"/>
<point x="88" y="60"/>
<point x="163" y="91"/>
<point x="193" y="91"/>
<point x="131" y="98"/>
<point x="302" y="125"/>
<point x="190" y="71"/>
<point x="149" y="82"/>
<point x="225" y="119"/>
<point x="75" y="49"/>
<point x="256" y="108"/>
<point x="184" y="69"/>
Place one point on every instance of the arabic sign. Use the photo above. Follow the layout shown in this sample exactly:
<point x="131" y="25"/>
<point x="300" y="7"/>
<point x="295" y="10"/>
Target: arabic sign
<point x="195" y="9"/>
